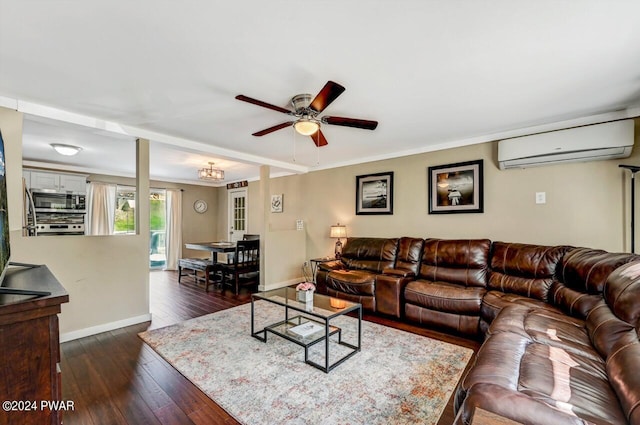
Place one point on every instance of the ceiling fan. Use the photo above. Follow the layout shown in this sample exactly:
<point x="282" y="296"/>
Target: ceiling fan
<point x="306" y="111"/>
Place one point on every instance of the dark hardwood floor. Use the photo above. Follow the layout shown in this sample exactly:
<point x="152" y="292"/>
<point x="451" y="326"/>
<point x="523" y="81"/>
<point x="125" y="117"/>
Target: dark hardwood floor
<point x="114" y="378"/>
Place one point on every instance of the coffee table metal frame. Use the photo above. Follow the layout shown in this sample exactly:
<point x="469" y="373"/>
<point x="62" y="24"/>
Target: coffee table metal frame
<point x="321" y="313"/>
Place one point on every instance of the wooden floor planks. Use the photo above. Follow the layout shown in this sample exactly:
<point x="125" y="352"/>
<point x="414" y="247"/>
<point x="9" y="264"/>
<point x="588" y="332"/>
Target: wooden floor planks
<point x="114" y="378"/>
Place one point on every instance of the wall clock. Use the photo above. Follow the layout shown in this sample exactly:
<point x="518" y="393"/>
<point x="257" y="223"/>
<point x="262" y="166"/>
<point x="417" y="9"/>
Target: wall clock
<point x="200" y="206"/>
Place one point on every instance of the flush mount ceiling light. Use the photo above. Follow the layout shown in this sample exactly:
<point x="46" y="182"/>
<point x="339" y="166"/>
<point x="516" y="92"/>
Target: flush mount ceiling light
<point x="211" y="174"/>
<point x="67" y="150"/>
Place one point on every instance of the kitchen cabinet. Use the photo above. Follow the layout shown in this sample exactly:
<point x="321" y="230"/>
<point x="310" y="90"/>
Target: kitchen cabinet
<point x="47" y="181"/>
<point x="59" y="182"/>
<point x="72" y="183"/>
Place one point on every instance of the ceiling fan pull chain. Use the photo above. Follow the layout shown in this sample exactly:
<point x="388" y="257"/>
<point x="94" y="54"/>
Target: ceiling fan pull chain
<point x="318" y="147"/>
<point x="294" y="144"/>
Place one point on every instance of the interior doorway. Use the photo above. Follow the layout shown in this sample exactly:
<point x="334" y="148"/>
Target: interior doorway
<point x="237" y="214"/>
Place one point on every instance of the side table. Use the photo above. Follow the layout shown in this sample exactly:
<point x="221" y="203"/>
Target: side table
<point x="314" y="265"/>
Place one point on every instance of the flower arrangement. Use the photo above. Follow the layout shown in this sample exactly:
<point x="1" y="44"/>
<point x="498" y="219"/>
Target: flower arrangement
<point x="305" y="291"/>
<point x="306" y="286"/>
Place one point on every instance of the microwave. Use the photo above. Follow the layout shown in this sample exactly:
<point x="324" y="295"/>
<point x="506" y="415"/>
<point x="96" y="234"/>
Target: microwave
<point x="58" y="202"/>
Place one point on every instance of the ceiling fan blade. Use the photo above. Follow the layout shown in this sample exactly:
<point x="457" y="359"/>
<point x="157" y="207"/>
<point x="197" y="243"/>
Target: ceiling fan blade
<point x="351" y="122"/>
<point x="328" y="94"/>
<point x="319" y="139"/>
<point x="274" y="128"/>
<point x="261" y="103"/>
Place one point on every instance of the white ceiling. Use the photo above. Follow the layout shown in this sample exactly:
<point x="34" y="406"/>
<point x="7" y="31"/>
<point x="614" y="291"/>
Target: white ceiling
<point x="433" y="73"/>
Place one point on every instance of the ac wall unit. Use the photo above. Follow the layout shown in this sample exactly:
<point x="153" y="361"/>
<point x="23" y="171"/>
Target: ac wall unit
<point x="590" y="143"/>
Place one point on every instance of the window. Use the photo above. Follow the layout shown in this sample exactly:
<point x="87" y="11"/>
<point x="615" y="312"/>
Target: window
<point x="158" y="228"/>
<point x="125" y="217"/>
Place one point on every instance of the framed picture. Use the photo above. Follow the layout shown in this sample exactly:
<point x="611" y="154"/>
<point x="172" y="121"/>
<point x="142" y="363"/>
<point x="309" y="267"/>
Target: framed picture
<point x="276" y="203"/>
<point x="374" y="193"/>
<point x="456" y="188"/>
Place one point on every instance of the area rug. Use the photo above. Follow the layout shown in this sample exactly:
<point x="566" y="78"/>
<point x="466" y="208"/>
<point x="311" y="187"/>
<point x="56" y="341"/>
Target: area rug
<point x="397" y="377"/>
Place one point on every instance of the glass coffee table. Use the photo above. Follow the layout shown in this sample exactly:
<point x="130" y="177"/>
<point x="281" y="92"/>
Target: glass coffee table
<point x="307" y="324"/>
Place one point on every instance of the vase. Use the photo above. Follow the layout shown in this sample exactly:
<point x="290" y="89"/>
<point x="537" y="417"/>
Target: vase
<point x="305" y="296"/>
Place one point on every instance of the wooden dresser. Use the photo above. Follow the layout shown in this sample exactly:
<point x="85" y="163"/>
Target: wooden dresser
<point x="30" y="348"/>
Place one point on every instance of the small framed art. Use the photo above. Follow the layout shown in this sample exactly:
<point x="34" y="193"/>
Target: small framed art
<point x="276" y="203"/>
<point x="374" y="193"/>
<point x="456" y="188"/>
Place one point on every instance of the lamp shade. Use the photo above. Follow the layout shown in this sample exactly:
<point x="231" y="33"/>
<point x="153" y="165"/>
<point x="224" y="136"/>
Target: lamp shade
<point x="338" y="231"/>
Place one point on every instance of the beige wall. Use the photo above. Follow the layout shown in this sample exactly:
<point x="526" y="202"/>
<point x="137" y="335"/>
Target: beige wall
<point x="107" y="277"/>
<point x="199" y="227"/>
<point x="586" y="202"/>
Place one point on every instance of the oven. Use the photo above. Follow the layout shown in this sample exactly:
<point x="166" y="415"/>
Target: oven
<point x="59" y="224"/>
<point x="51" y="202"/>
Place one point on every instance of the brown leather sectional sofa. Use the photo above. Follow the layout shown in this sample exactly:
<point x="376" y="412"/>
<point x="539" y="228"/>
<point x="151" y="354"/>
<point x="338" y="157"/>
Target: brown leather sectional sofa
<point x="561" y="325"/>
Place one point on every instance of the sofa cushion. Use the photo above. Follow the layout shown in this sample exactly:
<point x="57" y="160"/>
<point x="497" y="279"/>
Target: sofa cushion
<point x="614" y="327"/>
<point x="523" y="269"/>
<point x="547" y="327"/>
<point x="372" y="254"/>
<point x="463" y="262"/>
<point x="622" y="293"/>
<point x="581" y="277"/>
<point x="537" y="383"/>
<point x="358" y="282"/>
<point x="444" y="296"/>
<point x="452" y="322"/>
<point x="408" y="258"/>
<point x="511" y="404"/>
<point x="494" y="301"/>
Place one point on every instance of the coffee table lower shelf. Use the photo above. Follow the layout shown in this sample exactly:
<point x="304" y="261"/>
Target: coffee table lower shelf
<point x="283" y="330"/>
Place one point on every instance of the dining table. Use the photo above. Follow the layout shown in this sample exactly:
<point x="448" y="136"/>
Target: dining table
<point x="213" y="247"/>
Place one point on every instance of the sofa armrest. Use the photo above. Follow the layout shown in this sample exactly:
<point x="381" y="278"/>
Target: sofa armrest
<point x="390" y="293"/>
<point x="331" y="265"/>
<point x="399" y="272"/>
<point x="322" y="274"/>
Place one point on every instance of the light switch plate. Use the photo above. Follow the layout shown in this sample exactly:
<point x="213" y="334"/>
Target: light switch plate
<point x="299" y="225"/>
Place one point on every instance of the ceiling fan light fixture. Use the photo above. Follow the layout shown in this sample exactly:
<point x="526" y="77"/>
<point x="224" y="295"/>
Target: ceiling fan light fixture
<point x="306" y="127"/>
<point x="66" y="150"/>
<point x="210" y="173"/>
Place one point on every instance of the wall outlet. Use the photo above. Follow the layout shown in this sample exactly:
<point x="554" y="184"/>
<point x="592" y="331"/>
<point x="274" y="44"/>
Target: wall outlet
<point x="299" y="225"/>
<point x="541" y="197"/>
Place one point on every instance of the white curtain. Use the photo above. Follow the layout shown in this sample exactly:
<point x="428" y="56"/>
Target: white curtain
<point x="174" y="228"/>
<point x="101" y="208"/>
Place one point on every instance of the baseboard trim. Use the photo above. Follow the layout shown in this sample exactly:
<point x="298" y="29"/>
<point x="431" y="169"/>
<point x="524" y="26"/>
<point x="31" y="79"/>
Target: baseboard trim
<point x="81" y="333"/>
<point x="281" y="284"/>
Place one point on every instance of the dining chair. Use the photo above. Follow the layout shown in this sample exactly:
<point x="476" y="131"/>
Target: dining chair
<point x="245" y="267"/>
<point x="228" y="257"/>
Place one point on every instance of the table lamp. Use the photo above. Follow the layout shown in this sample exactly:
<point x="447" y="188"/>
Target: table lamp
<point x="338" y="231"/>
